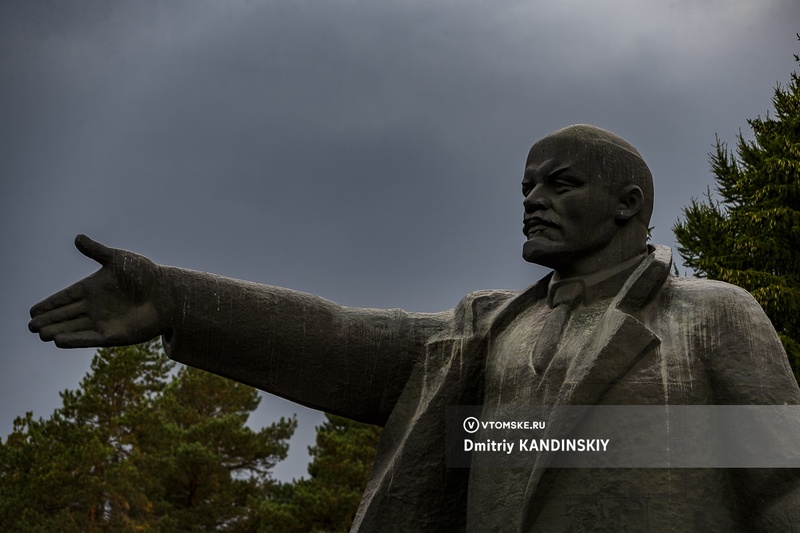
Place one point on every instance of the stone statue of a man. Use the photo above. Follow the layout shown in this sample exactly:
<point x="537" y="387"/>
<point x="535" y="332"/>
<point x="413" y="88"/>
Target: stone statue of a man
<point x="610" y="325"/>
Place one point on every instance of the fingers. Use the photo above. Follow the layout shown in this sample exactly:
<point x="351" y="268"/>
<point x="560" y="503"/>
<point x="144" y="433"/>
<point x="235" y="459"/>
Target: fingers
<point x="94" y="250"/>
<point x="57" y="315"/>
<point x="67" y="333"/>
<point x="80" y="339"/>
<point x="51" y="332"/>
<point x="64" y="297"/>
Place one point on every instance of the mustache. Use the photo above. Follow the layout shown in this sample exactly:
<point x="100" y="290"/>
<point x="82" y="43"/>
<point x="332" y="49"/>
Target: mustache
<point x="530" y="221"/>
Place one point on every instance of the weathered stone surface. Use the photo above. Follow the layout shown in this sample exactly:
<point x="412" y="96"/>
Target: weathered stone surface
<point x="634" y="335"/>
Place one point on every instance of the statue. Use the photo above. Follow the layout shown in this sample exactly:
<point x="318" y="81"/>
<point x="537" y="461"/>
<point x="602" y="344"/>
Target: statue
<point x="609" y="326"/>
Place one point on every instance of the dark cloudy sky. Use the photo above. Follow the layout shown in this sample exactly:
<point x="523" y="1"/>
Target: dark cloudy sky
<point x="370" y="152"/>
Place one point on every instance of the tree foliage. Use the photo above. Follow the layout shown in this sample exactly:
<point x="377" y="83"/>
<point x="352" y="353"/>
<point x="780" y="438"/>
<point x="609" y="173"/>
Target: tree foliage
<point x="748" y="233"/>
<point x="326" y="501"/>
<point x="139" y="448"/>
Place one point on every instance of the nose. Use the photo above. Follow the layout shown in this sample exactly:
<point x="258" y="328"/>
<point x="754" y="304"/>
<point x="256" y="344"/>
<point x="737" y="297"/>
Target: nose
<point x="536" y="200"/>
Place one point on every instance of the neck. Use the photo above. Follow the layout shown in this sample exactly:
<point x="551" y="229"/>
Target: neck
<point x="598" y="262"/>
<point x="600" y="275"/>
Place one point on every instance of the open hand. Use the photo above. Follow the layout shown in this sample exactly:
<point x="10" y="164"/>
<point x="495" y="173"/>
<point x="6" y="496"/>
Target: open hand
<point x="119" y="304"/>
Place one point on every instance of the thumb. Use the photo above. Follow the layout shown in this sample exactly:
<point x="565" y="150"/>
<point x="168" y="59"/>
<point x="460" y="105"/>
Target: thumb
<point x="94" y="250"/>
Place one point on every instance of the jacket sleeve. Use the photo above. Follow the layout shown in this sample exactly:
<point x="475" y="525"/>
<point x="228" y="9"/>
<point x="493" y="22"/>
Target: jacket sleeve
<point x="748" y="366"/>
<point x="746" y="361"/>
<point x="347" y="361"/>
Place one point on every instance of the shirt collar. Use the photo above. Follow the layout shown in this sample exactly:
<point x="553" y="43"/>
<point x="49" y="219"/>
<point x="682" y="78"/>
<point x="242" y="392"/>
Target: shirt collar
<point x="589" y="289"/>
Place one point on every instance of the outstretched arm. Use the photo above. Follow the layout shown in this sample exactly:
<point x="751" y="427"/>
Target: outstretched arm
<point x="352" y="362"/>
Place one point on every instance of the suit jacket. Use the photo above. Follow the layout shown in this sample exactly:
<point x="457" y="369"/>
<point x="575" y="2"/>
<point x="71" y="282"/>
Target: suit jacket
<point x="662" y="339"/>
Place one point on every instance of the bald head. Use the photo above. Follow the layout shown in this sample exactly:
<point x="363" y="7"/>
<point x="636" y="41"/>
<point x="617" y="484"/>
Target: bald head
<point x="610" y="157"/>
<point x="588" y="200"/>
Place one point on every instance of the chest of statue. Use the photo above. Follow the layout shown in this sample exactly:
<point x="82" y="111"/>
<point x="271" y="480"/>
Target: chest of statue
<point x="511" y="376"/>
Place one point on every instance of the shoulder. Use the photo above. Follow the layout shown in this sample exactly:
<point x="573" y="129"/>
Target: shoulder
<point x="705" y="294"/>
<point x="727" y="330"/>
<point x="708" y="308"/>
<point x="475" y="311"/>
<point x="721" y="318"/>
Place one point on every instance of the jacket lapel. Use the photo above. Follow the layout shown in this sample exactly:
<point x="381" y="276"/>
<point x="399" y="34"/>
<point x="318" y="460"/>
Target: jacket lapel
<point x="619" y="339"/>
<point x="610" y="351"/>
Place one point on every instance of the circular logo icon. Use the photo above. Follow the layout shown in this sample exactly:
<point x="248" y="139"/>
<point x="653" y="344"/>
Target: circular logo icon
<point x="471" y="424"/>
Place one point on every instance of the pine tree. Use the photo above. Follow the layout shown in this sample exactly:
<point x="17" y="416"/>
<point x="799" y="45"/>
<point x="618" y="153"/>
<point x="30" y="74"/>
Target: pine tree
<point x="326" y="501"/>
<point x="750" y="235"/>
<point x="211" y="465"/>
<point x="73" y="470"/>
<point x="137" y="448"/>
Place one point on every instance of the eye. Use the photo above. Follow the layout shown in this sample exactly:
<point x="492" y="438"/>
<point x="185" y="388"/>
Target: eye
<point x="565" y="182"/>
<point x="526" y="189"/>
<point x="561" y="185"/>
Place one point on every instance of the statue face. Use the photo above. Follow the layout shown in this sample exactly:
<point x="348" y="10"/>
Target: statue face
<point x="569" y="208"/>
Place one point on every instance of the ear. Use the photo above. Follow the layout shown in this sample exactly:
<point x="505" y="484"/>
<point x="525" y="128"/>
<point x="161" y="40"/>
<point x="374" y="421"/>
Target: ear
<point x="631" y="199"/>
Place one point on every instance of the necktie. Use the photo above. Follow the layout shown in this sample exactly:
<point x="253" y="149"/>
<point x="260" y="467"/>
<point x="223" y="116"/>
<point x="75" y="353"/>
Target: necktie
<point x="565" y="299"/>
